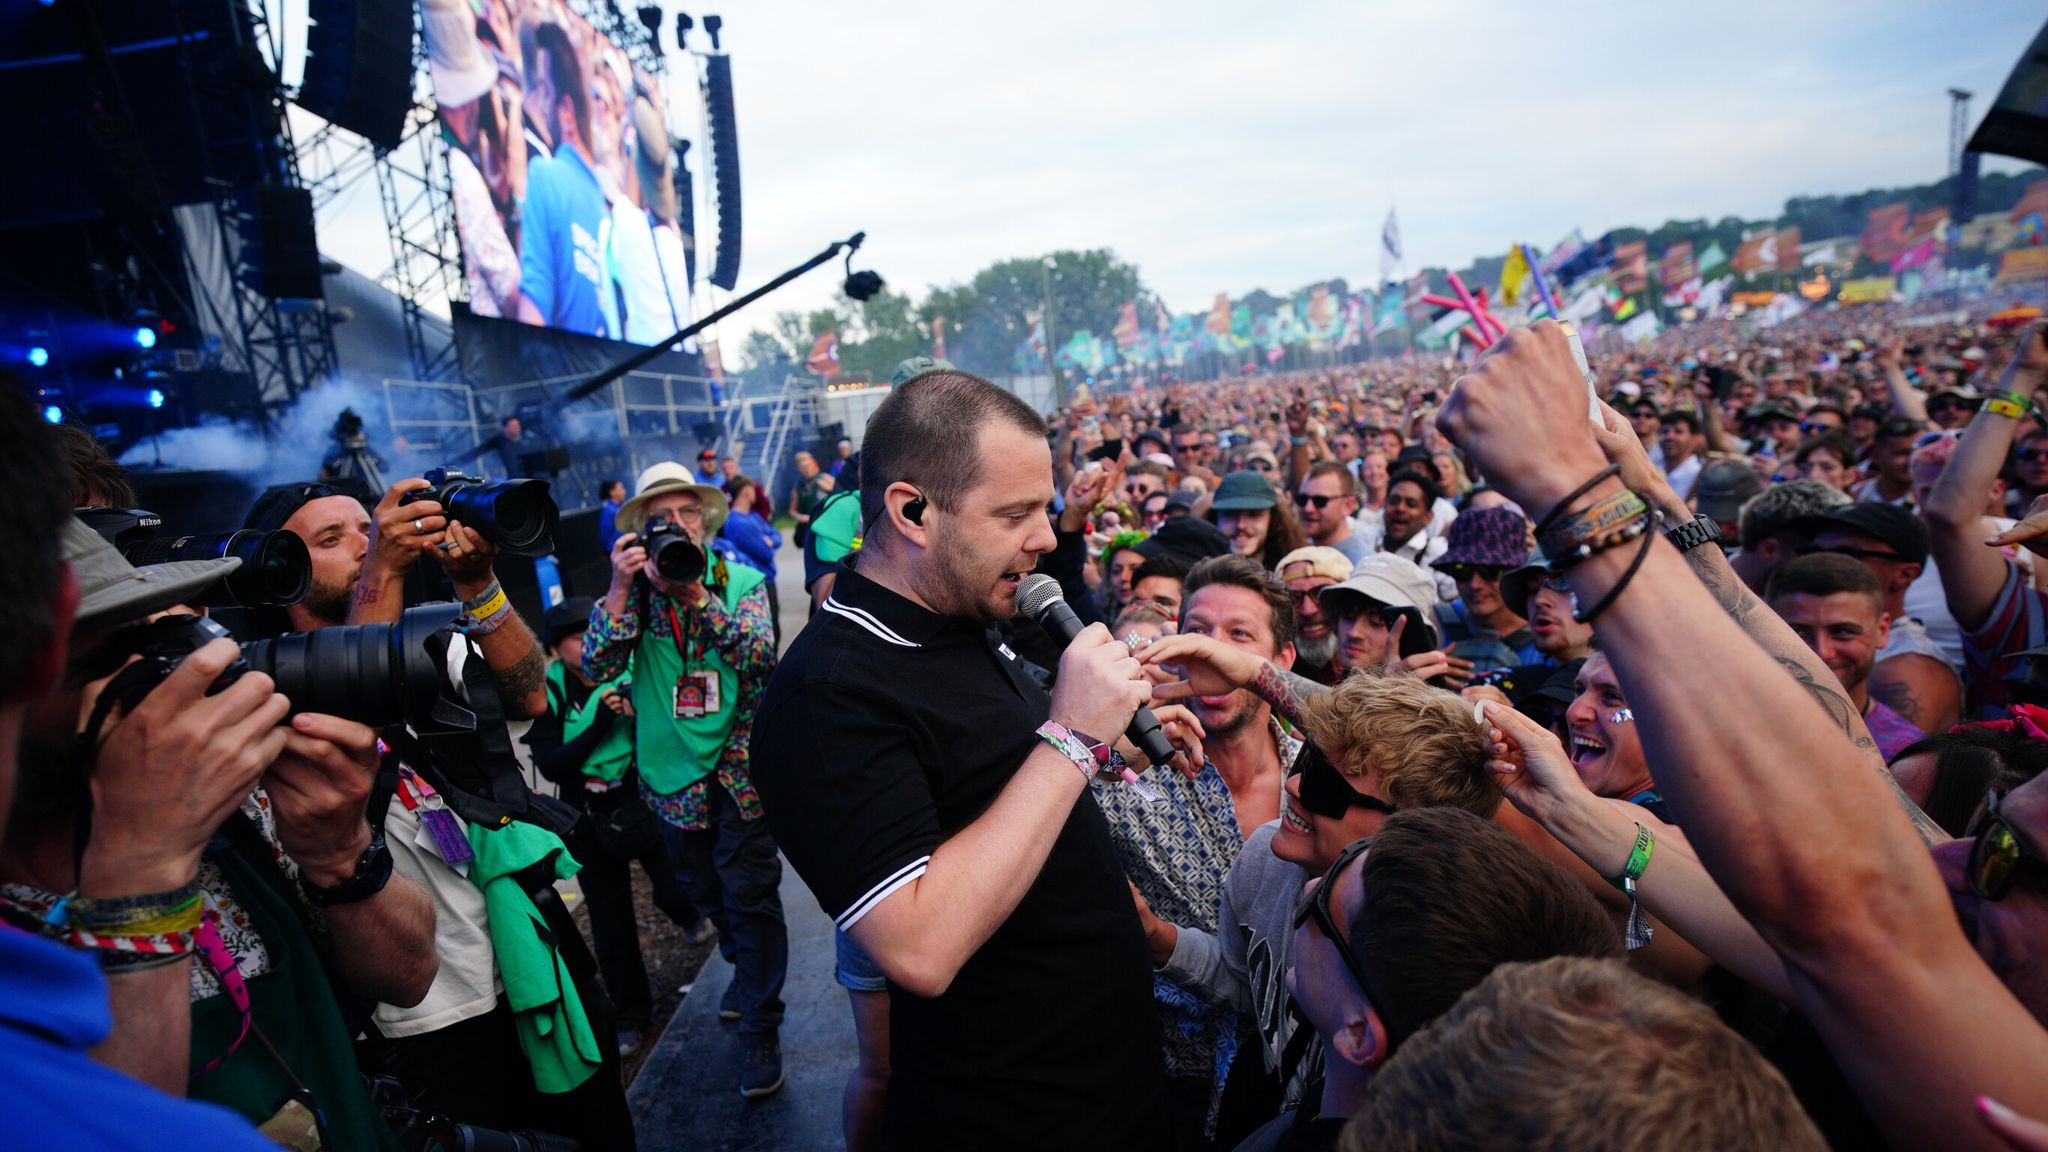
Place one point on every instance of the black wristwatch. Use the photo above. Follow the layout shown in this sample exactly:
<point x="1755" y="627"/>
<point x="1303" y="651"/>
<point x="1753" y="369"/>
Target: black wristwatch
<point x="1701" y="529"/>
<point x="372" y="872"/>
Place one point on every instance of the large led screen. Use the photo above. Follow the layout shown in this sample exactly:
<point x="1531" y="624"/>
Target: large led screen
<point x="561" y="165"/>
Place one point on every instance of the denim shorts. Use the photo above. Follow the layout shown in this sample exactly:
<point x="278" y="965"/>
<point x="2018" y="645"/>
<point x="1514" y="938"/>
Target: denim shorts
<point x="853" y="968"/>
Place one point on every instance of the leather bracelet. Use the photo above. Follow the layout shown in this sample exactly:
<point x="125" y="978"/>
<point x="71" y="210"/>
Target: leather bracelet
<point x="1605" y="525"/>
<point x="373" y="871"/>
<point x="1643" y="529"/>
<point x="1563" y="506"/>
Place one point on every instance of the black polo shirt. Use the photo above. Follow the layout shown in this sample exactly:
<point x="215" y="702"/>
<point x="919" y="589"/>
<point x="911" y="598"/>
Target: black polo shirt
<point x="886" y="729"/>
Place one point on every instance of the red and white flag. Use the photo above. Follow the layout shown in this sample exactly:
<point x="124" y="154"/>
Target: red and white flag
<point x="824" y="357"/>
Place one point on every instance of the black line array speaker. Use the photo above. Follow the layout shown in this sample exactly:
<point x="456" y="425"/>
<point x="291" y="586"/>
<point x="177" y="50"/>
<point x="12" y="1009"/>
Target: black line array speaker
<point x="686" y="207"/>
<point x="359" y="66"/>
<point x="725" y="169"/>
<point x="1964" y="209"/>
<point x="280" y="255"/>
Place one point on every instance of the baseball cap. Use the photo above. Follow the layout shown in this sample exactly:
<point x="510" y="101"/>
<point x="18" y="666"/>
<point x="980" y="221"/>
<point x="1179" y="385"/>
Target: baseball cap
<point x="1518" y="585"/>
<point x="1487" y="536"/>
<point x="567" y="618"/>
<point x="1889" y="524"/>
<point x="1314" y="560"/>
<point x="1769" y="410"/>
<point x="1244" y="492"/>
<point x="1723" y="487"/>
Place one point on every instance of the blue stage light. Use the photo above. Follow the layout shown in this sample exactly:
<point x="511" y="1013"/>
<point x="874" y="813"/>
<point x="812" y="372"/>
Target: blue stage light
<point x="38" y="356"/>
<point x="53" y="414"/>
<point x="145" y="338"/>
<point x="156" y="397"/>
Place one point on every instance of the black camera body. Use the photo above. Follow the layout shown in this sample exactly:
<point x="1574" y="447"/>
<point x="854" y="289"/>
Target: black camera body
<point x="276" y="570"/>
<point x="671" y="552"/>
<point x="519" y="516"/>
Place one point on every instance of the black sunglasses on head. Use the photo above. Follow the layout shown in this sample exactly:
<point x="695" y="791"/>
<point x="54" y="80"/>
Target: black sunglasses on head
<point x="1316" y="906"/>
<point x="1324" y="790"/>
<point x="1996" y="854"/>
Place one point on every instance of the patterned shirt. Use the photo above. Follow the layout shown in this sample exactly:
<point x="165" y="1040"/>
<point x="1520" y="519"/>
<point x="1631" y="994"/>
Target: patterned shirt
<point x="1178" y="852"/>
<point x="1893" y="732"/>
<point x="2018" y="622"/>
<point x="745" y="638"/>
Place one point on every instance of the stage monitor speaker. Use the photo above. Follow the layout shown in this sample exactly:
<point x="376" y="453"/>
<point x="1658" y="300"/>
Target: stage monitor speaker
<point x="359" y="66"/>
<point x="725" y="168"/>
<point x="280" y="255"/>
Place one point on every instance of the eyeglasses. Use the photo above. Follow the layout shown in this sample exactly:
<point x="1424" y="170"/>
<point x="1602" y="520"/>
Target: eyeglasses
<point x="1995" y="852"/>
<point x="1464" y="572"/>
<point x="1321" y="502"/>
<point x="1317" y="905"/>
<point x="1323" y="790"/>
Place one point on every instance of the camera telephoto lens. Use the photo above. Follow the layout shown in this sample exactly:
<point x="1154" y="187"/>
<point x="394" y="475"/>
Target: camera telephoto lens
<point x="671" y="553"/>
<point x="519" y="516"/>
<point x="375" y="674"/>
<point x="276" y="570"/>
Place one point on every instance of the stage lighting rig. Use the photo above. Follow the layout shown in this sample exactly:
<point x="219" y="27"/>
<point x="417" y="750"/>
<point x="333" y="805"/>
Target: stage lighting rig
<point x="683" y="26"/>
<point x="650" y="18"/>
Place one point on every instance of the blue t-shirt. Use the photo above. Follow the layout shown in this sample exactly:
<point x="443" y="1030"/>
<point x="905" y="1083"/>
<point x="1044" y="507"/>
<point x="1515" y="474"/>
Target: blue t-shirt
<point x="608" y="531"/>
<point x="53" y="1007"/>
<point x="562" y="240"/>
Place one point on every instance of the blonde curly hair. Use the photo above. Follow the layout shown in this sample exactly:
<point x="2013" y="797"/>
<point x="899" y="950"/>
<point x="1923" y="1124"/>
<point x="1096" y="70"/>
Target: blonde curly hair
<point x="1422" y="742"/>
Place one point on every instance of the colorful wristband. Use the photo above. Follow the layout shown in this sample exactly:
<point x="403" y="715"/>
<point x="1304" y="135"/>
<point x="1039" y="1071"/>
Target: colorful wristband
<point x="1071" y="745"/>
<point x="2000" y="406"/>
<point x="1638" y="860"/>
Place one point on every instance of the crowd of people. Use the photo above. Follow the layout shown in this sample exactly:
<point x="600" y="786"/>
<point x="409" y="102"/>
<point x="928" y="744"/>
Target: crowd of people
<point x="1660" y="780"/>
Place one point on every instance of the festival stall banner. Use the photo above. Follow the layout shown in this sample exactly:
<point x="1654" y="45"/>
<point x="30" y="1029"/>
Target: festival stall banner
<point x="1219" y="316"/>
<point x="1868" y="290"/>
<point x="1914" y="257"/>
<point x="1888" y="232"/>
<point x="2023" y="264"/>
<point x="1753" y="299"/>
<point x="1514" y="277"/>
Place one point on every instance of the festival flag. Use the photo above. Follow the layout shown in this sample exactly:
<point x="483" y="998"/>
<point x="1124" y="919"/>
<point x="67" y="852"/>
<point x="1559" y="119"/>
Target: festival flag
<point x="1357" y="307"/>
<point x="1219" y="317"/>
<point x="1325" y="317"/>
<point x="1915" y="256"/>
<point x="1929" y="225"/>
<point x="1411" y="298"/>
<point x="1758" y="253"/>
<point x="1632" y="266"/>
<point x="1887" y="233"/>
<point x="1389" y="316"/>
<point x="1676" y="266"/>
<point x="1126" y="330"/>
<point x="1788" y="250"/>
<point x="1712" y="257"/>
<point x="1160" y="320"/>
<point x="1288" y="327"/>
<point x="1243" y="329"/>
<point x="1390" y="247"/>
<point x="1514" y="277"/>
<point x="2030" y="216"/>
<point x="824" y="358"/>
<point x="1566" y="248"/>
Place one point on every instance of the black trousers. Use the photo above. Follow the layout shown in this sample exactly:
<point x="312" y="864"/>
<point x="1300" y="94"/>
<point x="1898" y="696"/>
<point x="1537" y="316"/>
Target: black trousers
<point x="607" y="883"/>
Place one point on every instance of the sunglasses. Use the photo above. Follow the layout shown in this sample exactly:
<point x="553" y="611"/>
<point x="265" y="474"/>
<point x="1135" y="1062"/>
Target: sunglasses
<point x="1324" y="791"/>
<point x="2033" y="455"/>
<point x="1320" y="502"/>
<point x="1316" y="906"/>
<point x="1995" y="852"/>
<point x="1261" y="466"/>
<point x="1464" y="572"/>
<point x="1926" y="438"/>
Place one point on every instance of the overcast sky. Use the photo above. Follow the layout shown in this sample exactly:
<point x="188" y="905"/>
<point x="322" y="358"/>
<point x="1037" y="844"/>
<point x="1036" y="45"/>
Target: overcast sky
<point x="1230" y="147"/>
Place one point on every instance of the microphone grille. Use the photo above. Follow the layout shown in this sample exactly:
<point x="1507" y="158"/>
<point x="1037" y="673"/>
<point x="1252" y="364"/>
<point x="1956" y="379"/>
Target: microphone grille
<point x="1037" y="592"/>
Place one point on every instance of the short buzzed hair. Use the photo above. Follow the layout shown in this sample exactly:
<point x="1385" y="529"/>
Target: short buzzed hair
<point x="1347" y="484"/>
<point x="928" y="434"/>
<point x="1582" y="1054"/>
<point x="1775" y="508"/>
<point x="1823" y="574"/>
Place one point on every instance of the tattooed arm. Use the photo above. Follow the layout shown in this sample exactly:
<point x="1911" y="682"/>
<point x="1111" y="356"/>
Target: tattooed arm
<point x="1757" y="621"/>
<point x="1210" y="668"/>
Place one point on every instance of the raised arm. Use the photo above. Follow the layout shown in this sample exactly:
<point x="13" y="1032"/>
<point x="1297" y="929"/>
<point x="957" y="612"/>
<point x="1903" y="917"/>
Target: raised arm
<point x="1906" y="399"/>
<point x="1820" y="859"/>
<point x="1971" y="573"/>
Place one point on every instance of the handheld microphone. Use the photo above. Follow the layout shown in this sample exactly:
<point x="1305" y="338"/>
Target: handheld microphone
<point x="1039" y="597"/>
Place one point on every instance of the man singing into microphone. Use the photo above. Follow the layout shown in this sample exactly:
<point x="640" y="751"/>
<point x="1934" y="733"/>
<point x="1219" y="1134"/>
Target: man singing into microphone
<point x="934" y="798"/>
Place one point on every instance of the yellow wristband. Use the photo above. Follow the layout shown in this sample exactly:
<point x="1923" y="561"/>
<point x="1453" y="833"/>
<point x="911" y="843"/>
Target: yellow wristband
<point x="2006" y="408"/>
<point x="496" y="604"/>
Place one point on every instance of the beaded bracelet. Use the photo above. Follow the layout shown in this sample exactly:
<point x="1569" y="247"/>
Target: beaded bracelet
<point x="144" y="915"/>
<point x="1640" y="528"/>
<point x="1595" y="529"/>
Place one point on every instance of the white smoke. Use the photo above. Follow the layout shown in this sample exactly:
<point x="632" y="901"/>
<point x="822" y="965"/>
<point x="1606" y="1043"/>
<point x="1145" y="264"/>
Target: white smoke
<point x="292" y="449"/>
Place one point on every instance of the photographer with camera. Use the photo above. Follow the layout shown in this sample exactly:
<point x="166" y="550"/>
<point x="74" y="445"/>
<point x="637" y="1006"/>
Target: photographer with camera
<point x="461" y="1052"/>
<point x="54" y="999"/>
<point x="195" y="831"/>
<point x="584" y="745"/>
<point x="694" y="632"/>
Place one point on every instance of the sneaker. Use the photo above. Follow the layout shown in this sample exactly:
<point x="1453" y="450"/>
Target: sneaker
<point x="629" y="1042"/>
<point x="760" y="1066"/>
<point x="701" y="932"/>
<point x="729" y="1004"/>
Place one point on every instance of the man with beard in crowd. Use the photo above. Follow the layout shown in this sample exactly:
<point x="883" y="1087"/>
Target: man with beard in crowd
<point x="1328" y="498"/>
<point x="1835" y="604"/>
<point x="1306" y="571"/>
<point x="1178" y="853"/>
<point x="917" y="785"/>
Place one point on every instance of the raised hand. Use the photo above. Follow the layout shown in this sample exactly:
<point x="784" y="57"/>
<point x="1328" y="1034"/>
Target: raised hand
<point x="1208" y="667"/>
<point x="1529" y="763"/>
<point x="1520" y="416"/>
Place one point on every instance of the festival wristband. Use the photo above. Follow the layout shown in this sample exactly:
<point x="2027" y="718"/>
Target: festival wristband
<point x="2001" y="406"/>
<point x="487" y="601"/>
<point x="147" y="915"/>
<point x="1638" y="861"/>
<point x="1070" y="744"/>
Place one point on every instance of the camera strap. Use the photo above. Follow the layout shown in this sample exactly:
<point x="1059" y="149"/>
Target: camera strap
<point x="690" y="661"/>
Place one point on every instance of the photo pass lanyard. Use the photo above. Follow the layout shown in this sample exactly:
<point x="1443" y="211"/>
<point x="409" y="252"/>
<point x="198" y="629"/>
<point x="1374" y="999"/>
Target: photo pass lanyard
<point x="689" y="662"/>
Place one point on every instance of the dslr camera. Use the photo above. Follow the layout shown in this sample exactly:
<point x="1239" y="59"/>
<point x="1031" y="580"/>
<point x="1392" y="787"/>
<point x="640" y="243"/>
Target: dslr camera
<point x="276" y="570"/>
<point x="671" y="552"/>
<point x="519" y="516"/>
